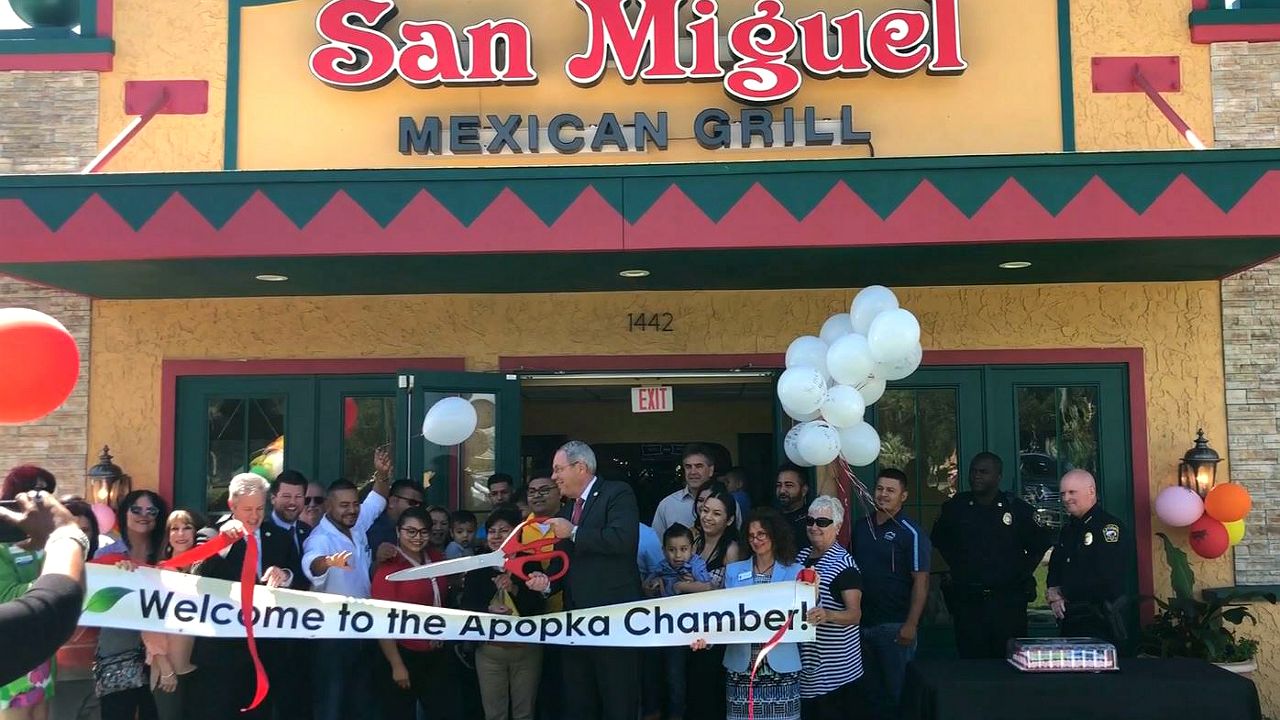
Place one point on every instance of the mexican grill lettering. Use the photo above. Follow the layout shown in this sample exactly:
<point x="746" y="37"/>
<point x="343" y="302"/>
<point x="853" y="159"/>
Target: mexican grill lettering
<point x="767" y="49"/>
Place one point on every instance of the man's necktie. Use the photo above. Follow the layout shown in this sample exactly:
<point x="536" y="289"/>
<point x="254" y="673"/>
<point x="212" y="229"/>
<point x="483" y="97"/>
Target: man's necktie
<point x="577" y="510"/>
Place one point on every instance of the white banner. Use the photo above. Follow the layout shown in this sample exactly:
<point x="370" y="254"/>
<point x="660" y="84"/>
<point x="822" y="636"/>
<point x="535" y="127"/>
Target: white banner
<point x="171" y="602"/>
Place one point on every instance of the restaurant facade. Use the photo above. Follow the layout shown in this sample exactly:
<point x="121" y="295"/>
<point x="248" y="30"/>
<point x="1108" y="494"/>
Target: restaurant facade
<point x="317" y="218"/>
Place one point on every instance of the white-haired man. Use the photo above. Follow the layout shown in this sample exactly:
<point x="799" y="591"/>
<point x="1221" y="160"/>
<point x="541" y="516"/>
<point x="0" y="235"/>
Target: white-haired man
<point x="600" y="532"/>
<point x="225" y="681"/>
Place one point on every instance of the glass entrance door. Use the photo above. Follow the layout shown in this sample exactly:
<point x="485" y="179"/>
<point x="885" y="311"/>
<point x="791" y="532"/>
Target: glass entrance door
<point x="1041" y="420"/>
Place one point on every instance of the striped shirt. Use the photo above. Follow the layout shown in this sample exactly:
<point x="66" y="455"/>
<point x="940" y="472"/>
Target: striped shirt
<point x="834" y="658"/>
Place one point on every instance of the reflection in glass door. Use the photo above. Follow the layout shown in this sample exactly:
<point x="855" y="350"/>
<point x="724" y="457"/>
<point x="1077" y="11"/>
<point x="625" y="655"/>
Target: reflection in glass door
<point x="1062" y="419"/>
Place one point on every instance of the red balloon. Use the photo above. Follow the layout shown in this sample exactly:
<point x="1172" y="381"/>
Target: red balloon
<point x="1209" y="538"/>
<point x="39" y="365"/>
<point x="350" y="415"/>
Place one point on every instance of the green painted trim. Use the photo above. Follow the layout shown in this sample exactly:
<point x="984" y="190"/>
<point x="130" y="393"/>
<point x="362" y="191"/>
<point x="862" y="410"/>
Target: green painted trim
<point x="231" y="117"/>
<point x="1244" y="159"/>
<point x="231" y="114"/>
<point x="1066" y="80"/>
<point x="1256" y="16"/>
<point x="1251" y="593"/>
<point x="89" y="18"/>
<point x="68" y="46"/>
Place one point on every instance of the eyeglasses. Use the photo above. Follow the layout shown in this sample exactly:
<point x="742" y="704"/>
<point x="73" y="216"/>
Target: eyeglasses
<point x="149" y="510"/>
<point x="412" y="502"/>
<point x="820" y="522"/>
<point x="315" y="500"/>
<point x="414" y="532"/>
<point x="539" y="492"/>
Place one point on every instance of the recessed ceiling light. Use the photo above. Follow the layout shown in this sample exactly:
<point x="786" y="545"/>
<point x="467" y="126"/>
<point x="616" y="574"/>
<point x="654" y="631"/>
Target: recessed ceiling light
<point x="634" y="273"/>
<point x="1014" y="265"/>
<point x="268" y="277"/>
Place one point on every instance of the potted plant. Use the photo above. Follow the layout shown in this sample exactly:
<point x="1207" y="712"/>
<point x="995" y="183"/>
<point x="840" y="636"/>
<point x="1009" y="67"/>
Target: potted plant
<point x="1205" y="629"/>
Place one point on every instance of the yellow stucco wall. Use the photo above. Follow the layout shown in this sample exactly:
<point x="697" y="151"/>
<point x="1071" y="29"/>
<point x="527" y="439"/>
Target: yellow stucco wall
<point x="1126" y="121"/>
<point x="1007" y="102"/>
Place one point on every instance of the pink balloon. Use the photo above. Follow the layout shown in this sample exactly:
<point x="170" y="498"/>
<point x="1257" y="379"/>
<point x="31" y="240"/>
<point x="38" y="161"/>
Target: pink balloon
<point x="1179" y="506"/>
<point x="106" y="518"/>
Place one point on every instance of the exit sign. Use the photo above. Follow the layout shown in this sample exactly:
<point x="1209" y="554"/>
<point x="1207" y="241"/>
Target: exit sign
<point x="651" y="399"/>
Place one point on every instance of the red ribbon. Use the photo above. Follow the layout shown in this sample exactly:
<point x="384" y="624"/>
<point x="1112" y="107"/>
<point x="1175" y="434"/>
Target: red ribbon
<point x="197" y="554"/>
<point x="773" y="642"/>
<point x="248" y="578"/>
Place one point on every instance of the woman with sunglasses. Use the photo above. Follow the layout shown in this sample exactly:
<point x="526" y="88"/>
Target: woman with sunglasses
<point x="832" y="663"/>
<point x="120" y="672"/>
<point x="415" y="672"/>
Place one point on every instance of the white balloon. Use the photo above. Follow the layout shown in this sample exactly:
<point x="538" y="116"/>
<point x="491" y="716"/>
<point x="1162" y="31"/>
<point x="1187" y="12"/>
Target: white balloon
<point x="859" y="445"/>
<point x="801" y="417"/>
<point x="836" y="327"/>
<point x="871" y="389"/>
<point x="892" y="335"/>
<point x="849" y="360"/>
<point x="818" y="443"/>
<point x="868" y="303"/>
<point x="808" y="351"/>
<point x="790" y="445"/>
<point x="903" y="368"/>
<point x="843" y="406"/>
<point x="802" y="389"/>
<point x="449" y="422"/>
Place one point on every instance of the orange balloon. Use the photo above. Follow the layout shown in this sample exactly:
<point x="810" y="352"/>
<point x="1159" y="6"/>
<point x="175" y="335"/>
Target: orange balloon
<point x="1228" y="503"/>
<point x="39" y="365"/>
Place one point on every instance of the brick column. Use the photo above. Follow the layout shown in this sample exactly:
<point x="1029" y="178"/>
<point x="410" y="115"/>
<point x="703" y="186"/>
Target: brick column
<point x="49" y="124"/>
<point x="1246" y="113"/>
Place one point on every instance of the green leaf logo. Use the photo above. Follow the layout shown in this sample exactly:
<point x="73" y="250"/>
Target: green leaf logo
<point x="105" y="599"/>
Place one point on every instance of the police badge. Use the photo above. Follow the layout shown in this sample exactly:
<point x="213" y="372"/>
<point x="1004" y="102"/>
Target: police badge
<point x="1088" y="538"/>
<point x="1007" y="519"/>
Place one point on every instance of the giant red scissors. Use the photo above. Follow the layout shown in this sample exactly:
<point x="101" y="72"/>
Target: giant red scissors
<point x="513" y="556"/>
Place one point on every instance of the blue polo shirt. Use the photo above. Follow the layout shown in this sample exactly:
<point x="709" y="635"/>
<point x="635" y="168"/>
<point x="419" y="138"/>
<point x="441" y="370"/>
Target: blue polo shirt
<point x="887" y="554"/>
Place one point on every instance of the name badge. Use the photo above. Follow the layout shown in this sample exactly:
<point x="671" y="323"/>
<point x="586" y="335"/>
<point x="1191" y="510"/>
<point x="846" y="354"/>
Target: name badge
<point x="744" y="575"/>
<point x="23" y="559"/>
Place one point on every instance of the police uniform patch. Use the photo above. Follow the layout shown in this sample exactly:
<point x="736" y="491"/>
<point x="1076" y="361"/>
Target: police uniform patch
<point x="1007" y="519"/>
<point x="1088" y="538"/>
<point x="1111" y="533"/>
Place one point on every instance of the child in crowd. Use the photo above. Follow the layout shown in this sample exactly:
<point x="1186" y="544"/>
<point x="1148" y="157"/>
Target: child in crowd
<point x="462" y="526"/>
<point x="681" y="564"/>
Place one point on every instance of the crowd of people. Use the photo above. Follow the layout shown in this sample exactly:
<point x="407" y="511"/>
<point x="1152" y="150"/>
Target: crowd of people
<point x="705" y="536"/>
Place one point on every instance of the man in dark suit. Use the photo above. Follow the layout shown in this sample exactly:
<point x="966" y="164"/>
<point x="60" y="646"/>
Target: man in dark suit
<point x="287" y="663"/>
<point x="225" y="682"/>
<point x="600" y="533"/>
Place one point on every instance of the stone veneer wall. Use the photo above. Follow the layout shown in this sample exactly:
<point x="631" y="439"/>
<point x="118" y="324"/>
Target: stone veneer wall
<point x="49" y="123"/>
<point x="1246" y="113"/>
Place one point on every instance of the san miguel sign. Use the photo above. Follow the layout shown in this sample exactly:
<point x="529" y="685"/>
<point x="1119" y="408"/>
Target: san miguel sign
<point x="761" y="59"/>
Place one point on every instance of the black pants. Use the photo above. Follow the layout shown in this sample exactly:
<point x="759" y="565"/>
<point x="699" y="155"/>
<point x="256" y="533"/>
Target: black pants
<point x="219" y="690"/>
<point x="288" y="666"/>
<point x="704" y="676"/>
<point x="550" y="687"/>
<point x="128" y="705"/>
<point x="985" y="624"/>
<point x="432" y="683"/>
<point x="602" y="683"/>
<point x="844" y="703"/>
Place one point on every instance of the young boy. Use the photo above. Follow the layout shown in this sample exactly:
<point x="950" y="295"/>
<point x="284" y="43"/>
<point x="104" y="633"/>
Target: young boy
<point x="462" y="526"/>
<point x="681" y="564"/>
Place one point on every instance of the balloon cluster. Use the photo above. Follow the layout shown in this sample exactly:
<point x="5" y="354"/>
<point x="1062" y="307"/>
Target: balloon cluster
<point x="1213" y="524"/>
<point x="832" y="379"/>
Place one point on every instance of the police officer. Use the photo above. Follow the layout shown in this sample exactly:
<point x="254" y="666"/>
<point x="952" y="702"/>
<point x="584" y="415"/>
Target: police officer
<point x="1086" y="571"/>
<point x="993" y="545"/>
